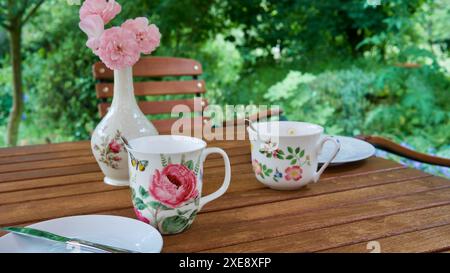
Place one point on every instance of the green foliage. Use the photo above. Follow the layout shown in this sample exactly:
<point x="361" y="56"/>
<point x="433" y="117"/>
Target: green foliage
<point x="400" y="103"/>
<point x="5" y="95"/>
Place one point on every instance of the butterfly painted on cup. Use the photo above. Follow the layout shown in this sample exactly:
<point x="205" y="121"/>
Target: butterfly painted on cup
<point x="138" y="164"/>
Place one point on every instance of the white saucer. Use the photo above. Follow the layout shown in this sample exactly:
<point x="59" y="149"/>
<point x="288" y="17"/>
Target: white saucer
<point x="352" y="150"/>
<point x="104" y="229"/>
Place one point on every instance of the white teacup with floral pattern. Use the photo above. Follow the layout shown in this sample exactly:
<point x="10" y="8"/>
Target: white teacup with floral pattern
<point x="284" y="153"/>
<point x="166" y="178"/>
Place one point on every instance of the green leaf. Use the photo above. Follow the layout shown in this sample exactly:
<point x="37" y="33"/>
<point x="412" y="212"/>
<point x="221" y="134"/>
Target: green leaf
<point x="197" y="166"/>
<point x="157" y="205"/>
<point x="280" y="152"/>
<point x="297" y="150"/>
<point x="174" y="224"/>
<point x="133" y="194"/>
<point x="302" y="153"/>
<point x="143" y="192"/>
<point x="279" y="156"/>
<point x="139" y="204"/>
<point x="163" y="160"/>
<point x="193" y="214"/>
<point x="290" y="150"/>
<point x="289" y="157"/>
<point x="181" y="212"/>
<point x="293" y="161"/>
<point x="189" y="164"/>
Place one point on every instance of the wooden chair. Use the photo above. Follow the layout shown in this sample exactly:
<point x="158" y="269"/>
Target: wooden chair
<point x="161" y="67"/>
<point x="392" y="147"/>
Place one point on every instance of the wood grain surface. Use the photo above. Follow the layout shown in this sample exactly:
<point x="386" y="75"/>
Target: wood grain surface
<point x="352" y="206"/>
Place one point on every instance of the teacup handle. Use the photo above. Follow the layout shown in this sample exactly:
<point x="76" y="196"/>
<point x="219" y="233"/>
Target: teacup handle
<point x="226" y="181"/>
<point x="337" y="146"/>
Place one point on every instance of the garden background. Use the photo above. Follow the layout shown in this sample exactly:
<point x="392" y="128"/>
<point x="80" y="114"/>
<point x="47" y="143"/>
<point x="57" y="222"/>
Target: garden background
<point x="355" y="67"/>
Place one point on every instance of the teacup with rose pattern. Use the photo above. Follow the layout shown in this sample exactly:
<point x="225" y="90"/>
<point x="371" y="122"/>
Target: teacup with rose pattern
<point x="166" y="178"/>
<point x="284" y="153"/>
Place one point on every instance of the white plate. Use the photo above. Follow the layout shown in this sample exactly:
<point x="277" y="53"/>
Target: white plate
<point x="352" y="149"/>
<point x="104" y="229"/>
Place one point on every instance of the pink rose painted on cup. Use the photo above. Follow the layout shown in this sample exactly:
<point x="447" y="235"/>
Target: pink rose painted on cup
<point x="174" y="185"/>
<point x="141" y="217"/>
<point x="118" y="48"/>
<point x="107" y="10"/>
<point x="147" y="36"/>
<point x="115" y="146"/>
<point x="293" y="173"/>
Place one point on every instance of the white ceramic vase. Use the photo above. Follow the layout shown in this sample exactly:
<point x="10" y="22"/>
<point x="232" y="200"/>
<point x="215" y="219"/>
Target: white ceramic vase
<point x="123" y="118"/>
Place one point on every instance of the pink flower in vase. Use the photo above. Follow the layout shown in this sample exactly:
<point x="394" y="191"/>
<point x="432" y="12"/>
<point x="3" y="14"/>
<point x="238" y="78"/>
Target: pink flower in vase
<point x="93" y="26"/>
<point x="107" y="10"/>
<point x="118" y="48"/>
<point x="141" y="217"/>
<point x="115" y="146"/>
<point x="293" y="173"/>
<point x="174" y="185"/>
<point x="147" y="36"/>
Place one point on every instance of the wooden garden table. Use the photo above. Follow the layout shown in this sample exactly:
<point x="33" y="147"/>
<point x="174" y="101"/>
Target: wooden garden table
<point x="405" y="210"/>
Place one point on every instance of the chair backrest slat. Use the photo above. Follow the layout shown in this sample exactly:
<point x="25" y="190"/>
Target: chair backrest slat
<point x="105" y="90"/>
<point x="165" y="125"/>
<point x="155" y="67"/>
<point x="156" y="107"/>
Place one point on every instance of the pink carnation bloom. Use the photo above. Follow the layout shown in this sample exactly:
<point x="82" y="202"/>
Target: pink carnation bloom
<point x="147" y="36"/>
<point x="93" y="26"/>
<point x="118" y="48"/>
<point x="107" y="10"/>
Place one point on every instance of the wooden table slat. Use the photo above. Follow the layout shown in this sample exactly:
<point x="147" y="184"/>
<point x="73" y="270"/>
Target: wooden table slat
<point x="427" y="240"/>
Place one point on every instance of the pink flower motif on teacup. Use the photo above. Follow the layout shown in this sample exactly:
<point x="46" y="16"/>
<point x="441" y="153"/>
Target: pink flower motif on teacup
<point x="256" y="167"/>
<point x="107" y="10"/>
<point x="293" y="173"/>
<point x="118" y="48"/>
<point x="269" y="147"/>
<point x="174" y="186"/>
<point x="141" y="217"/>
<point x="147" y="36"/>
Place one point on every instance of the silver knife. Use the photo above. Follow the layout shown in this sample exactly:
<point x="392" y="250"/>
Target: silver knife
<point x="73" y="242"/>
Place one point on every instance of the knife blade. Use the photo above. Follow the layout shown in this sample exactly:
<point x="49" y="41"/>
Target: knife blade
<point x="73" y="242"/>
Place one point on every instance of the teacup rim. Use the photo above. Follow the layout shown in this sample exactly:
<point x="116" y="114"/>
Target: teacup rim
<point x="201" y="141"/>
<point x="288" y="136"/>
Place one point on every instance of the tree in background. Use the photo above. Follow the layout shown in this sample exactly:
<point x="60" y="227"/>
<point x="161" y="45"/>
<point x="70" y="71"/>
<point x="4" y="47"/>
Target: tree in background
<point x="13" y="16"/>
